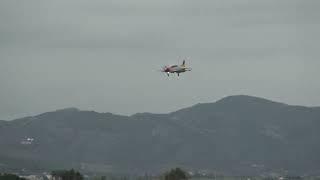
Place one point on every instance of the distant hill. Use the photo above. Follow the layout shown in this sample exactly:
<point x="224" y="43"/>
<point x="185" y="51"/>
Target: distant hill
<point x="2" y="123"/>
<point x="235" y="135"/>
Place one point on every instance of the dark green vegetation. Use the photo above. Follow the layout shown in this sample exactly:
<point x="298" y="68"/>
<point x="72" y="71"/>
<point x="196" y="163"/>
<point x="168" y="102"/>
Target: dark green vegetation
<point x="10" y="177"/>
<point x="238" y="135"/>
<point x="67" y="175"/>
<point x="176" y="174"/>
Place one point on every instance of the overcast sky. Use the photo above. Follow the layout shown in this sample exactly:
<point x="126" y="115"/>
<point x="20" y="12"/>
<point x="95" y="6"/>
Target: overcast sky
<point x="104" y="55"/>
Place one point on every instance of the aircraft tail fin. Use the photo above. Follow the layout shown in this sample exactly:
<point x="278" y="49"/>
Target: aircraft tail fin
<point x="184" y="63"/>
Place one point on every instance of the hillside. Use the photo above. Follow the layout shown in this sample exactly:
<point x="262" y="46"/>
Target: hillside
<point x="235" y="135"/>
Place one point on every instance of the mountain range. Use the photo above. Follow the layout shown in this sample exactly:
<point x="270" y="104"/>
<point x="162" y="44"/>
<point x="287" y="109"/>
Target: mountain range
<point x="239" y="135"/>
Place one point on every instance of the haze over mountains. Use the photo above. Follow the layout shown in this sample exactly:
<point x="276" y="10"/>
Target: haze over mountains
<point x="235" y="135"/>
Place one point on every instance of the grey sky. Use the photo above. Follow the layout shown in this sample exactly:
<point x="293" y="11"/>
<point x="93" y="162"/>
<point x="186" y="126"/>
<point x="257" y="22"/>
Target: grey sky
<point x="104" y="55"/>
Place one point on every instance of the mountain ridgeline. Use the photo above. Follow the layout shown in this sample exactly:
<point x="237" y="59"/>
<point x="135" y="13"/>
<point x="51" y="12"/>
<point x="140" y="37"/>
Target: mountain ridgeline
<point x="235" y="135"/>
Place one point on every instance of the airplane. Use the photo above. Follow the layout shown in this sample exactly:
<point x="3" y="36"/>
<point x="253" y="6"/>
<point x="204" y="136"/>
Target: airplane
<point x="176" y="69"/>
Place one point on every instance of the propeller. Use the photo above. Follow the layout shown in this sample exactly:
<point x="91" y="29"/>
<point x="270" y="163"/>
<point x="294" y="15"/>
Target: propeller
<point x="164" y="69"/>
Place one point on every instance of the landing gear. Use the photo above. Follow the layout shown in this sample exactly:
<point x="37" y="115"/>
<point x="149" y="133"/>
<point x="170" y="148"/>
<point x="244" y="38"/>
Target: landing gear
<point x="178" y="74"/>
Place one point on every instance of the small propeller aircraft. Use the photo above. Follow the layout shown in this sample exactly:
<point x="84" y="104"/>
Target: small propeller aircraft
<point x="176" y="69"/>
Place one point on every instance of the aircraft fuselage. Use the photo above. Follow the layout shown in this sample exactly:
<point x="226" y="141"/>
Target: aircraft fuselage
<point x="176" y="69"/>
